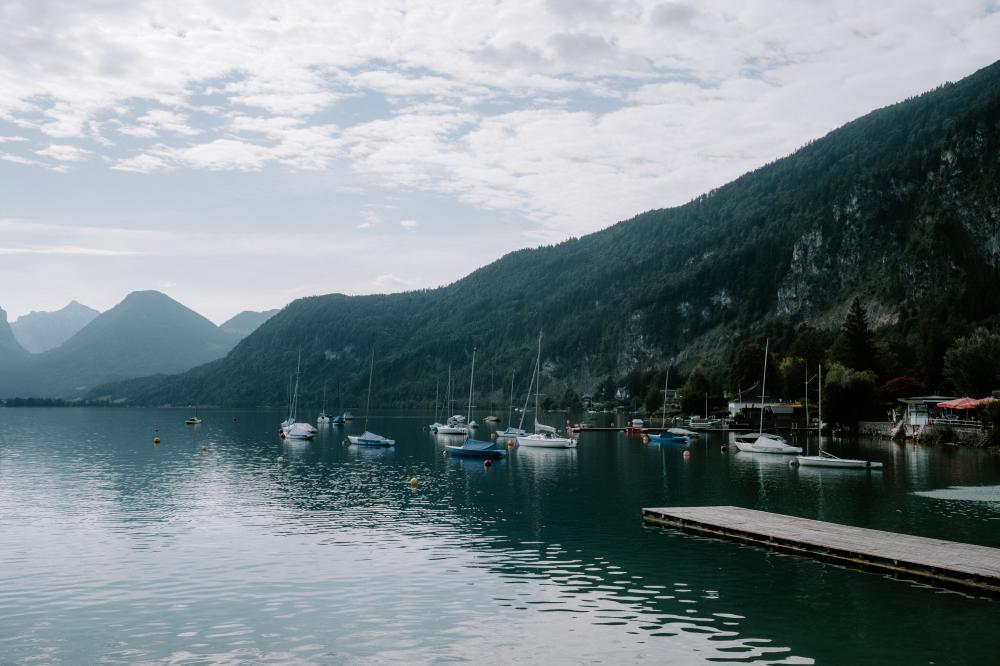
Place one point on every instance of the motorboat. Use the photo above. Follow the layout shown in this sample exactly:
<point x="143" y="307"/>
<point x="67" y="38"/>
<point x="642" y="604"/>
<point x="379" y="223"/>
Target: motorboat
<point x="635" y="427"/>
<point x="511" y="433"/>
<point x="703" y="423"/>
<point x="194" y="420"/>
<point x="682" y="431"/>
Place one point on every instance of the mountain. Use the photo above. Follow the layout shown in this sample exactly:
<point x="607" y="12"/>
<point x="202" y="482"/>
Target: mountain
<point x="147" y="333"/>
<point x="246" y="322"/>
<point x="41" y="331"/>
<point x="11" y="352"/>
<point x="900" y="208"/>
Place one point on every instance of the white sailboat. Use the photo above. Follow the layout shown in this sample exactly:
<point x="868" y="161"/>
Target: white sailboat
<point x="368" y="438"/>
<point x="825" y="459"/>
<point x="544" y="436"/>
<point x="453" y="425"/>
<point x="323" y="418"/>
<point x="290" y="428"/>
<point x="761" y="442"/>
<point x="510" y="432"/>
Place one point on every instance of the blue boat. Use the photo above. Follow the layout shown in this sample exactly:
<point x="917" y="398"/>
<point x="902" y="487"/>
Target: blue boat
<point x="667" y="438"/>
<point x="339" y="420"/>
<point x="510" y="433"/>
<point x="476" y="448"/>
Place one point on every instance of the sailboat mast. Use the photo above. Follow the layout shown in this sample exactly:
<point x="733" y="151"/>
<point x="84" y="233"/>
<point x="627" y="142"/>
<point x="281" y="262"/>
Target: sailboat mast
<point x="527" y="397"/>
<point x="763" y="383"/>
<point x="447" y="393"/>
<point x="371" y="373"/>
<point x="538" y="373"/>
<point x="510" y="403"/>
<point x="666" y="382"/>
<point x="472" y="378"/>
<point x="437" y="391"/>
<point x="819" y="426"/>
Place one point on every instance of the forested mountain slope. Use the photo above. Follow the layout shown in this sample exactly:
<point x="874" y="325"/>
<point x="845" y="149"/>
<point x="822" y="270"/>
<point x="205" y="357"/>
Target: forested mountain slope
<point x="900" y="207"/>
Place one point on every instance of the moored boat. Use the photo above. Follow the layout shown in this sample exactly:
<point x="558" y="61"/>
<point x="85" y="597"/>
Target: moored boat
<point x="544" y="435"/>
<point x="475" y="448"/>
<point x="762" y="442"/>
<point x="829" y="460"/>
<point x="370" y="439"/>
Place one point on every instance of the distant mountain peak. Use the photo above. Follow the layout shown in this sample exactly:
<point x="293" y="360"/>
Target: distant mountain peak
<point x="40" y="331"/>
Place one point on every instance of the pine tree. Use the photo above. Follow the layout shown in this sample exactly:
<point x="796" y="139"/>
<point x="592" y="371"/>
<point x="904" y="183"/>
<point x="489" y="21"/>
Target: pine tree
<point x="855" y="346"/>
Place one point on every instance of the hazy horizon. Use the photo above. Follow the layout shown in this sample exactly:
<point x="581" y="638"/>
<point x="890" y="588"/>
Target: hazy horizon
<point x="236" y="156"/>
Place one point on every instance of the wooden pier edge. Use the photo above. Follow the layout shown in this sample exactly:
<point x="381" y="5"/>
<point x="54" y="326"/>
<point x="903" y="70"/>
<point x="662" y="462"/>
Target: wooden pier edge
<point x="941" y="576"/>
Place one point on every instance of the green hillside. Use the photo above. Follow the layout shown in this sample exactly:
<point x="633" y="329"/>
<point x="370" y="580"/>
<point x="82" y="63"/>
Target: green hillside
<point x="900" y="208"/>
<point x="148" y="332"/>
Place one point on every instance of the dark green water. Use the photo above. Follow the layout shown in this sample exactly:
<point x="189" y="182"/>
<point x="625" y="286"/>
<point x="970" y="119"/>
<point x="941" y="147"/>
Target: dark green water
<point x="114" y="550"/>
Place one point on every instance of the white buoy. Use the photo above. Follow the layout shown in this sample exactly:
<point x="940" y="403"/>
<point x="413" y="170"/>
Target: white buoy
<point x="414" y="482"/>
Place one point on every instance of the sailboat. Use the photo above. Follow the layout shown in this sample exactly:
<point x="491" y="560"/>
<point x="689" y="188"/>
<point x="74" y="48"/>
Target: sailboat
<point x="455" y="425"/>
<point x="825" y="459"/>
<point x="290" y="428"/>
<point x="761" y="442"/>
<point x="194" y="420"/>
<point x="511" y="432"/>
<point x="544" y="435"/>
<point x="339" y="419"/>
<point x="475" y="448"/>
<point x="323" y="418"/>
<point x="368" y="438"/>
<point x="667" y="436"/>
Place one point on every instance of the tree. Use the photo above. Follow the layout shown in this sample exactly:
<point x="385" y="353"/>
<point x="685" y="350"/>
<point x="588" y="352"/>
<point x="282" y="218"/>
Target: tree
<point x="654" y="399"/>
<point x="848" y="395"/>
<point x="694" y="391"/>
<point x="972" y="363"/>
<point x="792" y="376"/>
<point x="808" y="346"/>
<point x="605" y="391"/>
<point x="855" y="346"/>
<point x="747" y="366"/>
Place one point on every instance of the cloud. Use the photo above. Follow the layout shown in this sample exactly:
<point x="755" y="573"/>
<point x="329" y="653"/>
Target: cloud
<point x="64" y="153"/>
<point x="409" y="224"/>
<point x="673" y="14"/>
<point x="557" y="116"/>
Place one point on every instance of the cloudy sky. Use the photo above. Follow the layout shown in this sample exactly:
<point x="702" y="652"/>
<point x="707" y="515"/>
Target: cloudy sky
<point x="238" y="154"/>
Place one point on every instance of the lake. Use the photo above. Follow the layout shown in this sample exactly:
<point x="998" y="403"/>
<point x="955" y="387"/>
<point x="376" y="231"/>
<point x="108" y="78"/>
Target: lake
<point x="205" y="550"/>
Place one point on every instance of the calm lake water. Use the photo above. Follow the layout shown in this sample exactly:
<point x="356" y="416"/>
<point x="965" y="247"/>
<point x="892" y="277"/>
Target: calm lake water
<point x="205" y="550"/>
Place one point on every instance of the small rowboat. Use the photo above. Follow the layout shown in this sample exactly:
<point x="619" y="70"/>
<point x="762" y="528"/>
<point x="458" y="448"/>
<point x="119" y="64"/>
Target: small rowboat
<point x="829" y="460"/>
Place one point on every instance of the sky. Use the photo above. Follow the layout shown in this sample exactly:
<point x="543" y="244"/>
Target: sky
<point x="237" y="154"/>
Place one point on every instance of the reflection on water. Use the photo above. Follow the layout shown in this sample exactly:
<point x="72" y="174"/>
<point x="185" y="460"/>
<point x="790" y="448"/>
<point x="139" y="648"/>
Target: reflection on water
<point x="207" y="549"/>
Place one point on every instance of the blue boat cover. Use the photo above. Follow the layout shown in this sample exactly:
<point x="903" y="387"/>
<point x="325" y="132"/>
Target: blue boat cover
<point x="478" y="445"/>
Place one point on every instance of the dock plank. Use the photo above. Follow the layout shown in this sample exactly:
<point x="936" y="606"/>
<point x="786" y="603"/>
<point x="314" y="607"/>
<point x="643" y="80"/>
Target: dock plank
<point x="933" y="560"/>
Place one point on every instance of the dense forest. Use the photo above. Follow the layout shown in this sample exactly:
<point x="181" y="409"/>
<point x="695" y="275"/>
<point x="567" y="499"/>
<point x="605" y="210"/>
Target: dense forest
<point x="897" y="212"/>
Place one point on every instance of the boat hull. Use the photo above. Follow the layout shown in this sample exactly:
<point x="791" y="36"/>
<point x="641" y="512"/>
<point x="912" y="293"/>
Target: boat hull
<point x="542" y="442"/>
<point x="838" y="463"/>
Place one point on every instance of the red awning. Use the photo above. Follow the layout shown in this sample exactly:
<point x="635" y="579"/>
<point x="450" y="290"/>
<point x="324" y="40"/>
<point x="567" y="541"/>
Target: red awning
<point x="959" y="403"/>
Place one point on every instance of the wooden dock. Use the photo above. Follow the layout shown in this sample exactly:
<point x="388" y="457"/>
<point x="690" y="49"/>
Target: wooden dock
<point x="933" y="561"/>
